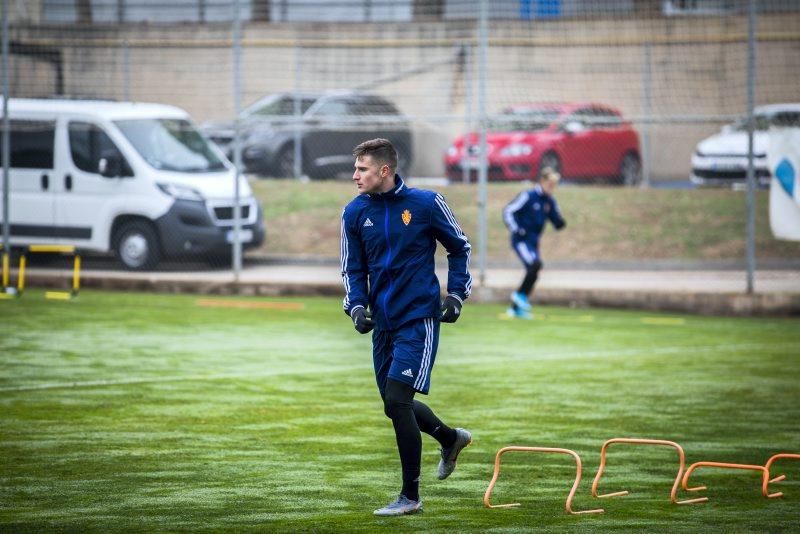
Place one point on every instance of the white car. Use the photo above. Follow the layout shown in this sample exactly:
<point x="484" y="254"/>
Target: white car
<point x="722" y="158"/>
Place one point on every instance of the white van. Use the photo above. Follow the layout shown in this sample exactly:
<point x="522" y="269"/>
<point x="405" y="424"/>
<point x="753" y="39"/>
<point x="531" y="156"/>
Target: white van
<point x="130" y="178"/>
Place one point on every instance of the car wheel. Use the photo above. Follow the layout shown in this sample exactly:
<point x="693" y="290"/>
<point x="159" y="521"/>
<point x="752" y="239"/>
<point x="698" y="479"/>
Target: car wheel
<point x="136" y="246"/>
<point x="630" y="170"/>
<point x="549" y="159"/>
<point x="284" y="163"/>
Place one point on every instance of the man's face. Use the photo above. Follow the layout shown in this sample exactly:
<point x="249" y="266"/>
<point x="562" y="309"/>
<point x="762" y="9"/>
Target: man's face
<point x="370" y="177"/>
<point x="548" y="186"/>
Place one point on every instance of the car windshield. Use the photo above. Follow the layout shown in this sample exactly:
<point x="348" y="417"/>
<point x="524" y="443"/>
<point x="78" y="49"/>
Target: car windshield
<point x="171" y="145"/>
<point x="278" y="106"/>
<point x="761" y="124"/>
<point x="528" y="120"/>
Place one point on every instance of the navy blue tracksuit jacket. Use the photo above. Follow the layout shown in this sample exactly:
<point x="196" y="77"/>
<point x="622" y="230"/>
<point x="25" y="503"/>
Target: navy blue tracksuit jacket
<point x="529" y="211"/>
<point x="387" y="253"/>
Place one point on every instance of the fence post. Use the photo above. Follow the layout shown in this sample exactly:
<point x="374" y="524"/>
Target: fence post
<point x="298" y="112"/>
<point x="237" y="146"/>
<point x="484" y="160"/>
<point x="751" y="179"/>
<point x="648" y="110"/>
<point x="6" y="134"/>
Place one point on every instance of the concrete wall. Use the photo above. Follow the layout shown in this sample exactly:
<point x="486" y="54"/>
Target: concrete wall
<point x="698" y="68"/>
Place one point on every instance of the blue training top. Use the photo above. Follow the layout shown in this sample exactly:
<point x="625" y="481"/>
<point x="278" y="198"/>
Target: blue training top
<point x="529" y="212"/>
<point x="387" y="253"/>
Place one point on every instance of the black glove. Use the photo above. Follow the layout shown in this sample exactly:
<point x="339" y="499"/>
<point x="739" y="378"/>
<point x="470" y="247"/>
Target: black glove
<point x="451" y="309"/>
<point x="362" y="321"/>
<point x="560" y="224"/>
<point x="521" y="232"/>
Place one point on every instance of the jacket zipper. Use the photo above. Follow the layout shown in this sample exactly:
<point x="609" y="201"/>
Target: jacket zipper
<point x="388" y="259"/>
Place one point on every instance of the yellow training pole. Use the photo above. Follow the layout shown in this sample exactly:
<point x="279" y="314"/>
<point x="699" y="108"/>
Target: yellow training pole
<point x="21" y="275"/>
<point x="5" y="270"/>
<point x="57" y="295"/>
<point x="76" y="275"/>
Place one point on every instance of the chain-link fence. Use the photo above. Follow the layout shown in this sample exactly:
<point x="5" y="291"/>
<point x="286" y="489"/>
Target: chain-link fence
<point x="607" y="92"/>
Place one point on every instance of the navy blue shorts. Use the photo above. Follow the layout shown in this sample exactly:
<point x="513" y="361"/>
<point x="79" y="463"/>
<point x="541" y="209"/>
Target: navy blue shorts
<point x="527" y="252"/>
<point x="406" y="354"/>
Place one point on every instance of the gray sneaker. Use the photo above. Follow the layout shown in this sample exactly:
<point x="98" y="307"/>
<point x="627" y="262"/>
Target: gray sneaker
<point x="449" y="455"/>
<point x="401" y="506"/>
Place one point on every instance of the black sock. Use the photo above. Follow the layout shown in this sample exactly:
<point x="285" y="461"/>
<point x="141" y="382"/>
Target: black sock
<point x="531" y="275"/>
<point x="528" y="282"/>
<point x="410" y="455"/>
<point x="399" y="407"/>
<point x="432" y="425"/>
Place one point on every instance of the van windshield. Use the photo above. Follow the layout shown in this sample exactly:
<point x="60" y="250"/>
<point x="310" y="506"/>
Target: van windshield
<point x="171" y="145"/>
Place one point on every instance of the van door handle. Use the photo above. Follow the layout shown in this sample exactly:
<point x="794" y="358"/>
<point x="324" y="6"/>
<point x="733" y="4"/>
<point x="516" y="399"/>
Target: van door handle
<point x="68" y="182"/>
<point x="45" y="182"/>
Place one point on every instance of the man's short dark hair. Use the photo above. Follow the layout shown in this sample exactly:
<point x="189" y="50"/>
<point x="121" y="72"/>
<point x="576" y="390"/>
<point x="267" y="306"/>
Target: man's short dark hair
<point x="381" y="150"/>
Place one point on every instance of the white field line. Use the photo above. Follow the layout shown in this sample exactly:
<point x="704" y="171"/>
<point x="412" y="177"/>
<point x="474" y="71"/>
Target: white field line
<point x="477" y="360"/>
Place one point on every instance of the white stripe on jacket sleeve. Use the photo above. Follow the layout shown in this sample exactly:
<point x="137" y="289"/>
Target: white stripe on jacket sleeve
<point x="513" y="207"/>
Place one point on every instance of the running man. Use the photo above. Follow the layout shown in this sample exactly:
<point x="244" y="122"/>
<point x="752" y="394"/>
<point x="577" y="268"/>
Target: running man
<point x="388" y="241"/>
<point x="525" y="217"/>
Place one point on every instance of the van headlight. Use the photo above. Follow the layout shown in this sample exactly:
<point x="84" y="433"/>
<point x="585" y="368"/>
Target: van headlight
<point x="180" y="191"/>
<point x="517" y="149"/>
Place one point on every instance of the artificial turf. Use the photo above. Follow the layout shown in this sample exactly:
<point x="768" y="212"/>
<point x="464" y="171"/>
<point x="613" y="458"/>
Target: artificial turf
<point x="142" y="412"/>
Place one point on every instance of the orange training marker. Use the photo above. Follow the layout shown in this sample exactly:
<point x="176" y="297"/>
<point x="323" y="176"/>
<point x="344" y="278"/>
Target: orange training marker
<point x="681" y="463"/>
<point x="764" y="475"/>
<point x="571" y="495"/>
<point x="222" y="303"/>
<point x="780" y="477"/>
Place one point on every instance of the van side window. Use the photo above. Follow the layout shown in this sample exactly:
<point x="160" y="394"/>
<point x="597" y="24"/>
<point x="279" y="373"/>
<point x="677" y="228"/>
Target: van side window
<point x="32" y="144"/>
<point x="88" y="143"/>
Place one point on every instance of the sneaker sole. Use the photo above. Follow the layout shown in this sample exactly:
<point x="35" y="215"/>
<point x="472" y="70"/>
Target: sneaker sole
<point x="411" y="512"/>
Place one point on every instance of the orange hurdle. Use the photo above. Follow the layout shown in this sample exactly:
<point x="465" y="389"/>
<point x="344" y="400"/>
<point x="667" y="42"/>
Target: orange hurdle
<point x="571" y="495"/>
<point x="681" y="459"/>
<point x="762" y="469"/>
<point x="772" y="460"/>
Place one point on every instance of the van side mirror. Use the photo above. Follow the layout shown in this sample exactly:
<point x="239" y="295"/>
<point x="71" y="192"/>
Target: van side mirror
<point x="109" y="165"/>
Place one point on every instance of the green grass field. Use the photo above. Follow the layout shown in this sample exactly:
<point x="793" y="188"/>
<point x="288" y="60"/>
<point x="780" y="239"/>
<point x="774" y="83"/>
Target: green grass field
<point x="141" y="412"/>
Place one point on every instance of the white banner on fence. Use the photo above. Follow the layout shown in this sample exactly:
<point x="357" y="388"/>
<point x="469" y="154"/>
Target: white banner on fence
<point x="783" y="158"/>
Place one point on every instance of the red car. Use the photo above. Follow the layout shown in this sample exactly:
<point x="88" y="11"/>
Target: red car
<point x="580" y="140"/>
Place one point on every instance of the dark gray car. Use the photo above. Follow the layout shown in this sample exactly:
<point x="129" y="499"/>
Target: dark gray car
<point x="326" y="126"/>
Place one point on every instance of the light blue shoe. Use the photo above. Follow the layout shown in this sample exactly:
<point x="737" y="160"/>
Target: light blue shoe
<point x="447" y="464"/>
<point x="519" y="314"/>
<point x="520" y="301"/>
<point x="402" y="506"/>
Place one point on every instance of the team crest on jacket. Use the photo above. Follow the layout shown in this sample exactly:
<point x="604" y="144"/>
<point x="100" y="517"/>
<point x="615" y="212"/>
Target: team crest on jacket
<point x="406" y="217"/>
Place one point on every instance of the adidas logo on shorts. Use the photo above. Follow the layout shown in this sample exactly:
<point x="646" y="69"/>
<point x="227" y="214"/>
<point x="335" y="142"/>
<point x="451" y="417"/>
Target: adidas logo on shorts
<point x="408" y="373"/>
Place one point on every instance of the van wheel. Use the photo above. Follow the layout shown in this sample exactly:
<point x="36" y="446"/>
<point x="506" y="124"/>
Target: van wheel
<point x="136" y="246"/>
